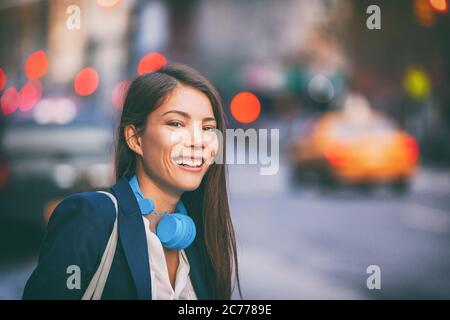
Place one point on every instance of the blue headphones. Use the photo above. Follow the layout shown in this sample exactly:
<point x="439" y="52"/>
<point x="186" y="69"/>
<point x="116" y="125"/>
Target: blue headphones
<point x="175" y="230"/>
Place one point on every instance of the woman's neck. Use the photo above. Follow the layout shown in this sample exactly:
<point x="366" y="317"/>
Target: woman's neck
<point x="163" y="199"/>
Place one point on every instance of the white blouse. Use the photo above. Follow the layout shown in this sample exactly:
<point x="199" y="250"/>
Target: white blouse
<point x="161" y="287"/>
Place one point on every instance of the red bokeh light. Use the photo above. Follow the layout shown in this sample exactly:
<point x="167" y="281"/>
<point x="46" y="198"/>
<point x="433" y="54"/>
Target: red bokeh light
<point x="36" y="65"/>
<point x="245" y="107"/>
<point x="29" y="95"/>
<point x="439" y="5"/>
<point x="3" y="79"/>
<point x="412" y="149"/>
<point x="9" y="100"/>
<point x="151" y="62"/>
<point x="119" y="93"/>
<point x="86" y="82"/>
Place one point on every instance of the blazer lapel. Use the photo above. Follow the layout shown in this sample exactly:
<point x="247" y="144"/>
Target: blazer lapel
<point x="134" y="243"/>
<point x="132" y="236"/>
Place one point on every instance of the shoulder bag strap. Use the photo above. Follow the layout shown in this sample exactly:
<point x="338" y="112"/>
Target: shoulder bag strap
<point x="95" y="289"/>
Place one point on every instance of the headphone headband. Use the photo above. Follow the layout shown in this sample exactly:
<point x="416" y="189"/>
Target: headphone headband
<point x="147" y="205"/>
<point x="176" y="230"/>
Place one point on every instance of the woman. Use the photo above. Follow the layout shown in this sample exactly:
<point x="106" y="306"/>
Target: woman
<point x="166" y="147"/>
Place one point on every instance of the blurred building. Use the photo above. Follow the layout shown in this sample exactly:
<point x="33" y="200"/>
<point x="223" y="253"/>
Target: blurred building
<point x="274" y="49"/>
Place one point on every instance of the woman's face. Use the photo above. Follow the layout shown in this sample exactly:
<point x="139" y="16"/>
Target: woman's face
<point x="179" y="142"/>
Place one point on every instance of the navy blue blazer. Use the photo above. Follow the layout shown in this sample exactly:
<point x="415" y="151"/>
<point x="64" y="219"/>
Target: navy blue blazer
<point x="77" y="234"/>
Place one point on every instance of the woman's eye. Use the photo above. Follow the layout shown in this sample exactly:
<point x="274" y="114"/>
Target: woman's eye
<point x="209" y="128"/>
<point x="175" y="124"/>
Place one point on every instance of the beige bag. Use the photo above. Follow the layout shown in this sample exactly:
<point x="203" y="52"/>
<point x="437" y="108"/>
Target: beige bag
<point x="95" y="289"/>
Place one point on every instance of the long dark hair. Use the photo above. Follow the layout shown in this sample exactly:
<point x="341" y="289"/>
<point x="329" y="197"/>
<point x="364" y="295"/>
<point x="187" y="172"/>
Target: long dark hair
<point x="208" y="204"/>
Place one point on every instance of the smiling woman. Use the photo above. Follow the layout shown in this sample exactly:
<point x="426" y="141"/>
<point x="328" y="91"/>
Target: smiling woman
<point x="176" y="235"/>
<point x="178" y="143"/>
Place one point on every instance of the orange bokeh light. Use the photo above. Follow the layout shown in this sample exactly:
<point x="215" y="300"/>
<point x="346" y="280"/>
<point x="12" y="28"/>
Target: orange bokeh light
<point x="439" y="5"/>
<point x="245" y="107"/>
<point x="424" y="13"/>
<point x="9" y="100"/>
<point x="29" y="95"/>
<point x="3" y="79"/>
<point x="86" y="82"/>
<point x="151" y="62"/>
<point x="108" y="3"/>
<point x="36" y="65"/>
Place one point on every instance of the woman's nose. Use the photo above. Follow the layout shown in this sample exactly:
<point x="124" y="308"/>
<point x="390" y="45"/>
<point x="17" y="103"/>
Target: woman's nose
<point x="195" y="138"/>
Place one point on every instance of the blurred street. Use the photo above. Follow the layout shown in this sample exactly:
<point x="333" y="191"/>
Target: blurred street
<point x="361" y="99"/>
<point x="305" y="243"/>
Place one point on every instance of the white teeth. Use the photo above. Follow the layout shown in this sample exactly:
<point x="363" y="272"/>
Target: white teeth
<point x="189" y="162"/>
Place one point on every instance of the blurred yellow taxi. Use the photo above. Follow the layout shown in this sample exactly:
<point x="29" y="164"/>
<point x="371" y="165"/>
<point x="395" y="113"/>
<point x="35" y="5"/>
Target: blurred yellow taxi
<point x="357" y="145"/>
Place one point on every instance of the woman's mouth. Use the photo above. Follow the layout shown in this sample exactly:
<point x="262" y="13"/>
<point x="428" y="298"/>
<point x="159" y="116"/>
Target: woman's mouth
<point x="189" y="164"/>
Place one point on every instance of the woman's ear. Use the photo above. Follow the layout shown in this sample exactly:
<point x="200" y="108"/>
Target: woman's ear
<point x="133" y="139"/>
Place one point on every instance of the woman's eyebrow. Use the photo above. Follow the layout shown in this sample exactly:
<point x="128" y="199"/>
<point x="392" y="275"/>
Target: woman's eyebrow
<point x="209" y="119"/>
<point x="186" y="115"/>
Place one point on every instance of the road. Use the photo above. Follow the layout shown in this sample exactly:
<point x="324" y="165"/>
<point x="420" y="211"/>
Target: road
<point x="307" y="244"/>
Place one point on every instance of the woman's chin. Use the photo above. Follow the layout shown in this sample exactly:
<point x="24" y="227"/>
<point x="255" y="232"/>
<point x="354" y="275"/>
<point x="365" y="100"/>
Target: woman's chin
<point x="187" y="181"/>
<point x="187" y="185"/>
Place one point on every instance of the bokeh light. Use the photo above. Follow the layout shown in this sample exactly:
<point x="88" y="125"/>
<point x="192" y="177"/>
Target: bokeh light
<point x="36" y="65"/>
<point x="424" y="13"/>
<point x="108" y="3"/>
<point x="86" y="82"/>
<point x="3" y="79"/>
<point x="412" y="148"/>
<point x="417" y="83"/>
<point x="151" y="62"/>
<point x="55" y="110"/>
<point x="321" y="89"/>
<point x="439" y="5"/>
<point x="245" y="107"/>
<point x="9" y="101"/>
<point x="29" y="95"/>
<point x="119" y="93"/>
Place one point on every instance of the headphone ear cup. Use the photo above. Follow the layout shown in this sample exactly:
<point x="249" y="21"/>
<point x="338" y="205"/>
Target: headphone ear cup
<point x="191" y="233"/>
<point x="187" y="230"/>
<point x="168" y="231"/>
<point x="181" y="234"/>
<point x="176" y="231"/>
